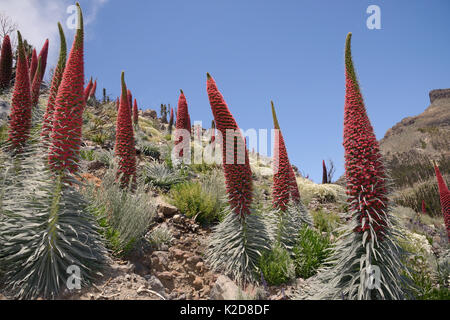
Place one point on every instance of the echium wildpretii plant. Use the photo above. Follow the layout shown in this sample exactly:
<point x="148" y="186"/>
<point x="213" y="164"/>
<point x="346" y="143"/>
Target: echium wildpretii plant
<point x="68" y="114"/>
<point x="365" y="263"/>
<point x="46" y="231"/>
<point x="238" y="241"/>
<point x="444" y="195"/>
<point x="20" y="117"/>
<point x="182" y="126"/>
<point x="135" y="113"/>
<point x="6" y="61"/>
<point x="87" y="90"/>
<point x="43" y="57"/>
<point x="125" y="147"/>
<point x="289" y="214"/>
<point x="47" y="124"/>
<point x="33" y="65"/>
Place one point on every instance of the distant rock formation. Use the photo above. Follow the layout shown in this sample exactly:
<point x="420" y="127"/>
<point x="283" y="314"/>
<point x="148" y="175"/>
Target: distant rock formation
<point x="439" y="94"/>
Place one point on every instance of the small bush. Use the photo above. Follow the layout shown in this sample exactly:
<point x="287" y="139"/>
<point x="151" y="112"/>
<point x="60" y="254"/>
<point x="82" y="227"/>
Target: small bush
<point x="325" y="221"/>
<point x="428" y="275"/>
<point x="192" y="200"/>
<point x="277" y="266"/>
<point x="88" y="155"/>
<point x="322" y="192"/>
<point x="124" y="215"/>
<point x="160" y="236"/>
<point x="160" y="175"/>
<point x="310" y="252"/>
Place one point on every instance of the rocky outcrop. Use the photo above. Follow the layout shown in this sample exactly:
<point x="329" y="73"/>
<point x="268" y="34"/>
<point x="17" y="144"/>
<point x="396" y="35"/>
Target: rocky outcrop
<point x="439" y="94"/>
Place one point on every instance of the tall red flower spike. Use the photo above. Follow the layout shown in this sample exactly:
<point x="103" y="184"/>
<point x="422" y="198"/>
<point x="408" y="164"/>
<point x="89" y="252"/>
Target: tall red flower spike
<point x="135" y="112"/>
<point x="43" y="57"/>
<point x="238" y="176"/>
<point x="47" y="125"/>
<point x="424" y="208"/>
<point x="87" y="90"/>
<point x="20" y="117"/>
<point x="33" y="65"/>
<point x="366" y="184"/>
<point x="124" y="148"/>
<point x="444" y="195"/>
<point x="324" y="173"/>
<point x="6" y="62"/>
<point x="93" y="90"/>
<point x="182" y="118"/>
<point x="36" y="85"/>
<point x="69" y="106"/>
<point x="283" y="175"/>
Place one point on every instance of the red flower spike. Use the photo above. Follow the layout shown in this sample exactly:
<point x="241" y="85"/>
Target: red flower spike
<point x="135" y="112"/>
<point x="20" y="117"/>
<point x="36" y="85"/>
<point x="6" y="62"/>
<point x="238" y="177"/>
<point x="171" y="119"/>
<point x="124" y="148"/>
<point x="424" y="208"/>
<point x="69" y="106"/>
<point x="182" y="118"/>
<point x="93" y="90"/>
<point x="444" y="195"/>
<point x="47" y="124"/>
<point x="33" y="65"/>
<point x="87" y="90"/>
<point x="284" y="183"/>
<point x="366" y="186"/>
<point x="43" y="57"/>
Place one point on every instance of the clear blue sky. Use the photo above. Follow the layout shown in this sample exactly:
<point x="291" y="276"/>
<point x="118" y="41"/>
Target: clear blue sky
<point x="291" y="52"/>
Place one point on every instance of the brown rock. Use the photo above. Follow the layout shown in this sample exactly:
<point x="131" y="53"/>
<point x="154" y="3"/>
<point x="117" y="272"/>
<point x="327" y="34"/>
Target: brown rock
<point x="198" y="283"/>
<point x="199" y="266"/>
<point x="160" y="260"/>
<point x="167" y="210"/>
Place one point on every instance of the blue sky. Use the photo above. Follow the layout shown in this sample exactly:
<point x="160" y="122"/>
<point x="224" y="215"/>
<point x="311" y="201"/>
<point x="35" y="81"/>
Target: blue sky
<point x="291" y="52"/>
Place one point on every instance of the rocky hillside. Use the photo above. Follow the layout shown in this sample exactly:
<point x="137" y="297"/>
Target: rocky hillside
<point x="427" y="134"/>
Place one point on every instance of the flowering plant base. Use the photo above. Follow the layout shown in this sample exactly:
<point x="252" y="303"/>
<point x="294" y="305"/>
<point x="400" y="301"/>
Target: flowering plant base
<point x="236" y="246"/>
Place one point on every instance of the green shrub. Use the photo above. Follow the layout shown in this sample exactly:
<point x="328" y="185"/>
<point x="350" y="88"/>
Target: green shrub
<point x="325" y="221"/>
<point x="310" y="252"/>
<point x="428" y="275"/>
<point x="88" y="155"/>
<point x="160" y="175"/>
<point x="195" y="202"/>
<point x="124" y="215"/>
<point x="277" y="266"/>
